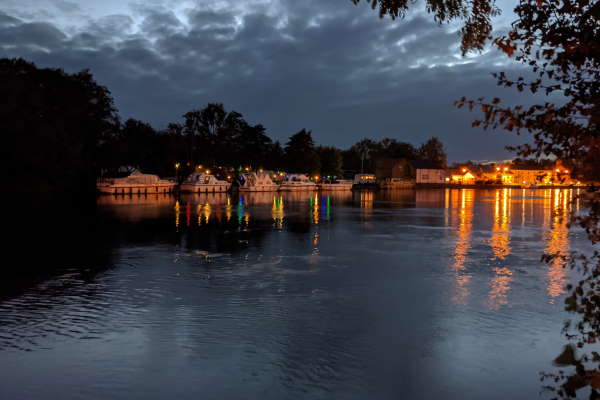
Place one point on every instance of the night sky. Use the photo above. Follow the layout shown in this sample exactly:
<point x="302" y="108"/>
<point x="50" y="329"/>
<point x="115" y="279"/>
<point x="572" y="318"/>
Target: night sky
<point x="328" y="66"/>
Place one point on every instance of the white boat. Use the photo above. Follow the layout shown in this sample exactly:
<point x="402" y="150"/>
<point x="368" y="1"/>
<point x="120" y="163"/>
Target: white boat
<point x="136" y="183"/>
<point x="199" y="182"/>
<point x="365" y="181"/>
<point x="294" y="182"/>
<point x="337" y="185"/>
<point x="257" y="182"/>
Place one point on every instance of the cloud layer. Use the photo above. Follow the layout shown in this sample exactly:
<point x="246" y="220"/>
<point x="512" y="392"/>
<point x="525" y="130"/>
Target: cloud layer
<point x="329" y="66"/>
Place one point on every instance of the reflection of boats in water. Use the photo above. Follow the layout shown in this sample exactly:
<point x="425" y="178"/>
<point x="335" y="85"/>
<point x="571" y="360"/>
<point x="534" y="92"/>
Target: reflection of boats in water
<point x="337" y="185"/>
<point x="217" y="198"/>
<point x="295" y="182"/>
<point x="256" y="182"/>
<point x="138" y="207"/>
<point x="136" y="183"/>
<point x="204" y="183"/>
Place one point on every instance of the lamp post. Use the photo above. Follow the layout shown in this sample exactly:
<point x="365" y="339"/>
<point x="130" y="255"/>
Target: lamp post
<point x="177" y="165"/>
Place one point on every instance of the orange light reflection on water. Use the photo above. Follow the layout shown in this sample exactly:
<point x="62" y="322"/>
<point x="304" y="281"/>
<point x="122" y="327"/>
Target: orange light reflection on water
<point x="461" y="203"/>
<point x="558" y="239"/>
<point x="500" y="244"/>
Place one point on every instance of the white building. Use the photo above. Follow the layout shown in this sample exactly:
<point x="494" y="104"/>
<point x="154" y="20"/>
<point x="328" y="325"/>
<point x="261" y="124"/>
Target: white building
<point x="431" y="175"/>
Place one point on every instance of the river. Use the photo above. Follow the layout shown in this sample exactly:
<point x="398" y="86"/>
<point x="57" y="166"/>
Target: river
<point x="412" y="294"/>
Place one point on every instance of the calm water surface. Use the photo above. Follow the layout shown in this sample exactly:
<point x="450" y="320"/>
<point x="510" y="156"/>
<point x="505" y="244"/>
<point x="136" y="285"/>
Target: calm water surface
<point x="404" y="294"/>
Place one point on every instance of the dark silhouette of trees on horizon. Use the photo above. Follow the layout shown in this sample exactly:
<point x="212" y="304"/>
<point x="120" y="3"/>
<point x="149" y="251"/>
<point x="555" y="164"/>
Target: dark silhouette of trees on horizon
<point x="67" y="133"/>
<point x="58" y="123"/>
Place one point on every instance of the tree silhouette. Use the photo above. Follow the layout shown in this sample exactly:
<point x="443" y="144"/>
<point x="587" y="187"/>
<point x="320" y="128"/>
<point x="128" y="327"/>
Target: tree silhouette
<point x="300" y="153"/>
<point x="58" y="123"/>
<point x="331" y="161"/>
<point x="433" y="150"/>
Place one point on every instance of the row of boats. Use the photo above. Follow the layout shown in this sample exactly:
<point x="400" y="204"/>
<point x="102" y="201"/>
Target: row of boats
<point x="138" y="183"/>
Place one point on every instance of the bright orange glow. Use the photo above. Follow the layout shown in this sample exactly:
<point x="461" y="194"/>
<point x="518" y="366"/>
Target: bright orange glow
<point x="558" y="240"/>
<point x="500" y="244"/>
<point x="497" y="168"/>
<point x="558" y="170"/>
<point x="464" y="209"/>
<point x="464" y="170"/>
<point x="208" y="171"/>
<point x="177" y="211"/>
<point x="506" y="168"/>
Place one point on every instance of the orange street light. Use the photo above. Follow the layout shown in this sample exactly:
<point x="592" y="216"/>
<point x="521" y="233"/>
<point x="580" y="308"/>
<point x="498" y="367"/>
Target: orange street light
<point x="464" y="170"/>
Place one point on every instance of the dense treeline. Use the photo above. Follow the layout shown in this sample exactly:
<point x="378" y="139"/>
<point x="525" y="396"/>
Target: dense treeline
<point x="213" y="136"/>
<point x="56" y="122"/>
<point x="67" y="133"/>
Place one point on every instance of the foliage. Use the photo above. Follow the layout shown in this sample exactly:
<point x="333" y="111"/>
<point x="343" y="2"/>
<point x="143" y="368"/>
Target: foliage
<point x="331" y="161"/>
<point x="363" y="155"/>
<point x="57" y="122"/>
<point x="433" y="150"/>
<point x="476" y="16"/>
<point x="300" y="153"/>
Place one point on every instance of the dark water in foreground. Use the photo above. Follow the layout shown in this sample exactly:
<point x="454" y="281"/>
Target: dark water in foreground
<point x="407" y="294"/>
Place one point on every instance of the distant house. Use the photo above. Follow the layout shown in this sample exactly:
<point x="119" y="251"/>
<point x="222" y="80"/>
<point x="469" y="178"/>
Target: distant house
<point x="463" y="176"/>
<point x="427" y="172"/>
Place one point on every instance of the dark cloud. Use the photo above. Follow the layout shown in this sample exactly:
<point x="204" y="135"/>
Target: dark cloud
<point x="331" y="67"/>
<point x="67" y="6"/>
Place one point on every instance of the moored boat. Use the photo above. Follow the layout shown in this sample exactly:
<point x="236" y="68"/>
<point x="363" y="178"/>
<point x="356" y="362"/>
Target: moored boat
<point x="365" y="181"/>
<point x="256" y="182"/>
<point x="136" y="183"/>
<point x="294" y="182"/>
<point x="204" y="183"/>
<point x="337" y="185"/>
